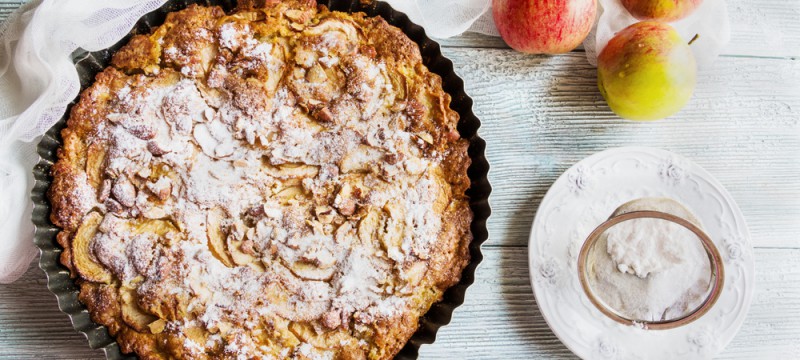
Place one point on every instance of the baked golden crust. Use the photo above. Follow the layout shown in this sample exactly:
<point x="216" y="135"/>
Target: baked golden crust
<point x="280" y="182"/>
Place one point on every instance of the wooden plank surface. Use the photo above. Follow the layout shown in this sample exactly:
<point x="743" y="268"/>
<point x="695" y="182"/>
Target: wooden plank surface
<point x="541" y="114"/>
<point x="7" y="7"/>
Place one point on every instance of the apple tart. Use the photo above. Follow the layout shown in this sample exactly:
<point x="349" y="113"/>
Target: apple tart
<point x="282" y="181"/>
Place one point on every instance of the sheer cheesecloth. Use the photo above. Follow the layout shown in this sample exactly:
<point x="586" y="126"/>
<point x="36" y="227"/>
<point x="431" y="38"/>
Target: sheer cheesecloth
<point x="39" y="38"/>
<point x="447" y="18"/>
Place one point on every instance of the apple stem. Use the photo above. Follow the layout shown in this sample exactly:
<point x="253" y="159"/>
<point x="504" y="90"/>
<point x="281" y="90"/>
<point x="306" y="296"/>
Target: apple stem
<point x="696" y="36"/>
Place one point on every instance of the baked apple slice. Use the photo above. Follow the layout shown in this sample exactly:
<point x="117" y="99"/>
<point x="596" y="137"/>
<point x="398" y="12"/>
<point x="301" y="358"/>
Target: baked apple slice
<point x="216" y="237"/>
<point x="82" y="258"/>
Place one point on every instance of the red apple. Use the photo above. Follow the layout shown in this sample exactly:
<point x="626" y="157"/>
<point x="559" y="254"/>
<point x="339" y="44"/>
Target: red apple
<point x="544" y="26"/>
<point x="661" y="10"/>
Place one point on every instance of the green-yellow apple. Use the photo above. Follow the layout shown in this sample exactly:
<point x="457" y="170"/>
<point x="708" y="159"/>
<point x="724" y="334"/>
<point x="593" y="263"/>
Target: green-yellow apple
<point x="661" y="10"/>
<point x="646" y="72"/>
<point x="544" y="26"/>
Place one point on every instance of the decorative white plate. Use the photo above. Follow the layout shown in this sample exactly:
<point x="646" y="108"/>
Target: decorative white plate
<point x="585" y="196"/>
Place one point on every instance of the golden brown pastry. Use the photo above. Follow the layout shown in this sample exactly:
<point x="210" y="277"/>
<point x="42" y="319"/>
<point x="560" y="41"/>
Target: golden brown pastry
<point x="280" y="182"/>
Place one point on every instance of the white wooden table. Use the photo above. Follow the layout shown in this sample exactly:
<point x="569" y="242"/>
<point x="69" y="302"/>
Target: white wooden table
<point x="540" y="115"/>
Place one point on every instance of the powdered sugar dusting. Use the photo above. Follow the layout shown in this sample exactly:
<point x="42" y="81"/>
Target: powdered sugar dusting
<point x="286" y="189"/>
<point x="83" y="193"/>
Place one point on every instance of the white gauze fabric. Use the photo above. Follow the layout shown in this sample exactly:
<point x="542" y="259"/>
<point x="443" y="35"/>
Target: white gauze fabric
<point x="709" y="21"/>
<point x="37" y="82"/>
<point x="448" y="18"/>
